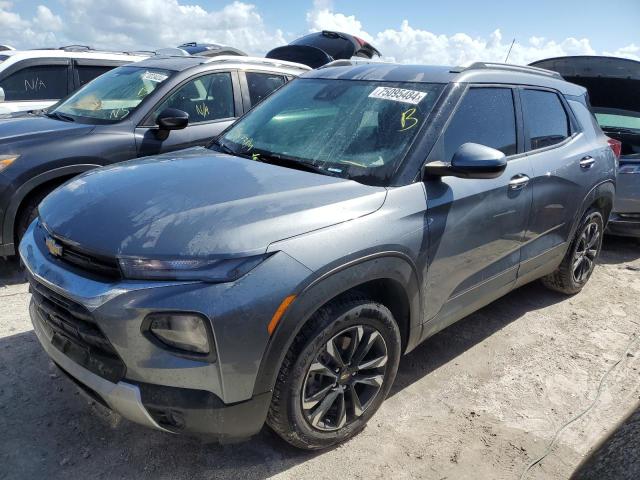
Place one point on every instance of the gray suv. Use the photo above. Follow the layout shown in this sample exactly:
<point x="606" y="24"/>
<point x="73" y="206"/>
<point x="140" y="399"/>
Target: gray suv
<point x="278" y="275"/>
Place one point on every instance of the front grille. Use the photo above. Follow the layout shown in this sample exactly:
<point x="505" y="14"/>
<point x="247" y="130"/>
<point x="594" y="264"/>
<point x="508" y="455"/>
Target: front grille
<point x="75" y="333"/>
<point x="101" y="266"/>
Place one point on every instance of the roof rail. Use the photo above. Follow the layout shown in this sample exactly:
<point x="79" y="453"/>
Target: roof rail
<point x="508" y="67"/>
<point x="352" y="62"/>
<point x="75" y="48"/>
<point x="253" y="61"/>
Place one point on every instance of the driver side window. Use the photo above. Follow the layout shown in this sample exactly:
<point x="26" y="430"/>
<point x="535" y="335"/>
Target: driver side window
<point x="486" y="116"/>
<point x="205" y="99"/>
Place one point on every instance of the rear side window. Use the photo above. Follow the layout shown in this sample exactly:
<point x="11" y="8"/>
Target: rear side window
<point x="545" y="118"/>
<point x="486" y="116"/>
<point x="86" y="73"/>
<point x="42" y="82"/>
<point x="262" y="84"/>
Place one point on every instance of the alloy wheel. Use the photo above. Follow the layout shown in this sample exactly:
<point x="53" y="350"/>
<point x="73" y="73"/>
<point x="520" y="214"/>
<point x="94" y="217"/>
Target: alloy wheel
<point x="345" y="377"/>
<point x="586" y="252"/>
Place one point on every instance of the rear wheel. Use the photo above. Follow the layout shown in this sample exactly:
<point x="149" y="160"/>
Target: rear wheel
<point x="336" y="374"/>
<point x="580" y="260"/>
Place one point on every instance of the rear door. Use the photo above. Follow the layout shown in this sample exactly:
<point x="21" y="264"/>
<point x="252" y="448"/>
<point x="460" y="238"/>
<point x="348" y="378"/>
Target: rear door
<point x="36" y="83"/>
<point x="212" y="101"/>
<point x="256" y="86"/>
<point x="564" y="169"/>
<point x="478" y="225"/>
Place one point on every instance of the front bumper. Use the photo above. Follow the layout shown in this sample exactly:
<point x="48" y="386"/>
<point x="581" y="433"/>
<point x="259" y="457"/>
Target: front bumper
<point x="623" y="226"/>
<point x="158" y="388"/>
<point x="170" y="409"/>
<point x="122" y="397"/>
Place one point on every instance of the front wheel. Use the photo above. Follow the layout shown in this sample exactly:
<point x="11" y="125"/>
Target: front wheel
<point x="580" y="260"/>
<point x="336" y="374"/>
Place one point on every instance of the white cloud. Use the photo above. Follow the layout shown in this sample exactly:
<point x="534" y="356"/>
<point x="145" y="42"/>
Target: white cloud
<point x="144" y="24"/>
<point x="408" y="44"/>
<point x="151" y="24"/>
<point x="631" y="51"/>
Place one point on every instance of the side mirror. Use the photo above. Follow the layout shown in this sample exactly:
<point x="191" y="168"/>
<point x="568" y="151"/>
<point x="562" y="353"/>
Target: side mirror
<point x="471" y="160"/>
<point x="1" y="94"/>
<point x="171" y="119"/>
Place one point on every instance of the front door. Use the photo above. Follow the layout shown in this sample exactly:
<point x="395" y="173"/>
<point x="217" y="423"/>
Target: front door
<point x="476" y="226"/>
<point x="209" y="101"/>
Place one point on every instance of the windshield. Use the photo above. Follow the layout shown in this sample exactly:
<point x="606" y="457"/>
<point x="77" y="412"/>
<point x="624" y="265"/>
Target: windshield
<point x="354" y="129"/>
<point x="619" y="119"/>
<point x="112" y="96"/>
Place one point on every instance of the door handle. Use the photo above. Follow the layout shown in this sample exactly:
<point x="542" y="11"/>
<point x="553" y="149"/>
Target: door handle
<point x="518" y="181"/>
<point x="587" y="162"/>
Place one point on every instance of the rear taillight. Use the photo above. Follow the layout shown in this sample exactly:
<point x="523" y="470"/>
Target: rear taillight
<point x="360" y="41"/>
<point x="616" y="146"/>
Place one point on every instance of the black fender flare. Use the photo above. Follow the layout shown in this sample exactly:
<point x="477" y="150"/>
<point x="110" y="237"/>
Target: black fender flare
<point x="29" y="186"/>
<point x="605" y="190"/>
<point x="327" y="285"/>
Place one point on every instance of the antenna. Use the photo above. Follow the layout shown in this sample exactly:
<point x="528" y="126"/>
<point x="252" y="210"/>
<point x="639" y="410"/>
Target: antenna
<point x="509" y="52"/>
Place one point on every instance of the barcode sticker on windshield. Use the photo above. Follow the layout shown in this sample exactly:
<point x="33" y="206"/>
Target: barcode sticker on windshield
<point x="398" y="94"/>
<point x="154" y="77"/>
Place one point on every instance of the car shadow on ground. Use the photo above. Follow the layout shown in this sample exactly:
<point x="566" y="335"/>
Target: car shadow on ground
<point x="52" y="431"/>
<point x="453" y="341"/>
<point x="617" y="250"/>
<point x="617" y="457"/>
<point x="10" y="272"/>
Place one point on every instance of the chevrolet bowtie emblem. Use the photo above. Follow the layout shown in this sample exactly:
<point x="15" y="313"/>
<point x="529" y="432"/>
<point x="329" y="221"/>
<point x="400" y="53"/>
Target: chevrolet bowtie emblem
<point x="54" y="247"/>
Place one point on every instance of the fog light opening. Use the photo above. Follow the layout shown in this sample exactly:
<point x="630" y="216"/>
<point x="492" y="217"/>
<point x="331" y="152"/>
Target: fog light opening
<point x="185" y="332"/>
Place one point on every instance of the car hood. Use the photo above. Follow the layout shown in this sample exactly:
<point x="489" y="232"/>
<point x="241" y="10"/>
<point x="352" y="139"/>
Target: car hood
<point x="198" y="202"/>
<point x="27" y="127"/>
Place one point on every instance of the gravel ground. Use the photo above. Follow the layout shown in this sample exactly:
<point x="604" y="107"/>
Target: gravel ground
<point x="483" y="399"/>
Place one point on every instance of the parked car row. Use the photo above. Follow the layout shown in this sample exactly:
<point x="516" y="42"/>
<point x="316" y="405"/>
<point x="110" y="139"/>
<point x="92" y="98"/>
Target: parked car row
<point x="277" y="274"/>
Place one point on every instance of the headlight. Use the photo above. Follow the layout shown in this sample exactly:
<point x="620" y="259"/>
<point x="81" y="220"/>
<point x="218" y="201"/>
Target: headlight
<point x="6" y="160"/>
<point x="629" y="169"/>
<point x="207" y="270"/>
<point x="183" y="331"/>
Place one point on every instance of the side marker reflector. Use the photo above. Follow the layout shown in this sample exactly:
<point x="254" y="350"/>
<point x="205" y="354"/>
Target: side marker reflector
<point x="279" y="312"/>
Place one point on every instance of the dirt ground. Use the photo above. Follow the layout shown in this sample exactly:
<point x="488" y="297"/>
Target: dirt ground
<point x="481" y="400"/>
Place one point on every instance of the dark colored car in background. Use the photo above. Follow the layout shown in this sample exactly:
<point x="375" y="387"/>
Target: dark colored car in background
<point x="278" y="275"/>
<point x="158" y="105"/>
<point x="320" y="48"/>
<point x="614" y="92"/>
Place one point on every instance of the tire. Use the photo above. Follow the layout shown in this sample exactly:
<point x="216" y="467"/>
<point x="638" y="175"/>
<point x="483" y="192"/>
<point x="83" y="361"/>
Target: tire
<point x="580" y="260"/>
<point x="27" y="214"/>
<point x="296" y="412"/>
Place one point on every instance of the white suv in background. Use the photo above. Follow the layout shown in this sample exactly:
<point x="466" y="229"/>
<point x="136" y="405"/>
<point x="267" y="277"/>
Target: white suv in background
<point x="36" y="79"/>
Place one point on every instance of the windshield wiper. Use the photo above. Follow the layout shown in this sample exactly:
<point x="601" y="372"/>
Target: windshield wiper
<point x="223" y="147"/>
<point x="284" y="161"/>
<point x="60" y="116"/>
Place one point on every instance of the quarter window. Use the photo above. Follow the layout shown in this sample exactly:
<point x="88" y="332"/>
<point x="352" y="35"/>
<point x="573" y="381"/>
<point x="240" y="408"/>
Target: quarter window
<point x="485" y="116"/>
<point x="42" y="82"/>
<point x="206" y="98"/>
<point x="545" y="118"/>
<point x="262" y="84"/>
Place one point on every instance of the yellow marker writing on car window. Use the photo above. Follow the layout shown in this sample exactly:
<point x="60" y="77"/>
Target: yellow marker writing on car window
<point x="202" y="110"/>
<point x="255" y="156"/>
<point x="407" y="120"/>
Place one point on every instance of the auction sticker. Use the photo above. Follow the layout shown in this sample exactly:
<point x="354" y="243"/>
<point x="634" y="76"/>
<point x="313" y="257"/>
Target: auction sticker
<point x="154" y="76"/>
<point x="398" y="94"/>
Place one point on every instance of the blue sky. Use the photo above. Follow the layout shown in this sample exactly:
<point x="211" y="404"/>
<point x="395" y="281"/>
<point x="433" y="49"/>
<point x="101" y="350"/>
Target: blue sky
<point x="540" y="27"/>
